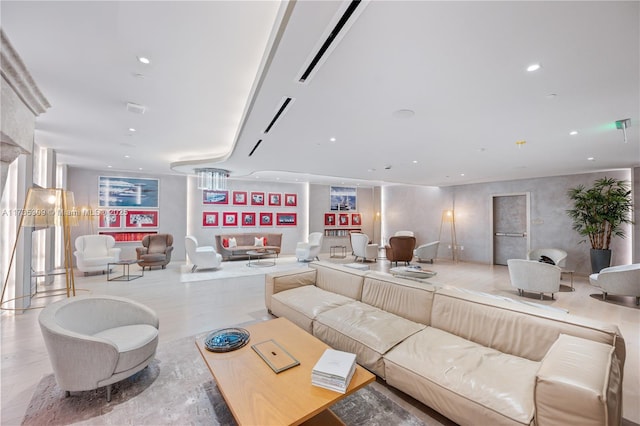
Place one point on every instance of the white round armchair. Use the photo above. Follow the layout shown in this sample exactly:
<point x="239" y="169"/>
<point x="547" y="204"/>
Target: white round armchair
<point x="202" y="257"/>
<point x="622" y="280"/>
<point x="534" y="276"/>
<point x="95" y="341"/>
<point x="306" y="252"/>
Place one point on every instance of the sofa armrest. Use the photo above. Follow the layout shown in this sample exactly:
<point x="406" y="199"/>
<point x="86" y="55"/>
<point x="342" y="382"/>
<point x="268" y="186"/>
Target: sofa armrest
<point x="281" y="281"/>
<point x="579" y="382"/>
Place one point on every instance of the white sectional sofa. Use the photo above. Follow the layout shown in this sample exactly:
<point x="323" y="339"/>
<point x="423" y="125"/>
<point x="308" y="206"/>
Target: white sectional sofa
<point x="473" y="358"/>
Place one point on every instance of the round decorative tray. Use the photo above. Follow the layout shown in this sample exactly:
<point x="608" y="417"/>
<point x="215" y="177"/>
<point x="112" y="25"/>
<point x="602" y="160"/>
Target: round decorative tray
<point x="226" y="339"/>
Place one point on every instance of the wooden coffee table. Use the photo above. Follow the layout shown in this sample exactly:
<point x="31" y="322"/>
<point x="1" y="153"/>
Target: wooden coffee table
<point x="258" y="396"/>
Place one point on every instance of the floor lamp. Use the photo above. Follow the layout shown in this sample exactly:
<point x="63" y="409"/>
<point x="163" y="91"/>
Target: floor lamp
<point x="448" y="216"/>
<point x="44" y="208"/>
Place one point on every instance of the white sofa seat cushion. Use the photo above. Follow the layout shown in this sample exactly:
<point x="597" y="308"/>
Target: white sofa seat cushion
<point x="129" y="340"/>
<point x="484" y="377"/>
<point x="364" y="330"/>
<point x="303" y="304"/>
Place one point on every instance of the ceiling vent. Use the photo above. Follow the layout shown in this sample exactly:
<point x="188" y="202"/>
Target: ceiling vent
<point x="255" y="147"/>
<point x="328" y="43"/>
<point x="136" y="108"/>
<point x="283" y="107"/>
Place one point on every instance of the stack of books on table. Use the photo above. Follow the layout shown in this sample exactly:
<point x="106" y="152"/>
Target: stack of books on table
<point x="334" y="370"/>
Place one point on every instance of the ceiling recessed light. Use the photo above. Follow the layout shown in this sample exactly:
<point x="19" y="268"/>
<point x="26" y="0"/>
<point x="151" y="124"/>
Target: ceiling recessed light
<point x="144" y="60"/>
<point x="131" y="129"/>
<point x="415" y="161"/>
<point x="332" y="139"/>
<point x="534" y="67"/>
<point x="403" y="113"/>
<point x="109" y="167"/>
<point x="371" y="170"/>
<point x="139" y="168"/>
<point x="573" y="132"/>
<point x="591" y="159"/>
<point x="521" y="143"/>
<point x="126" y="156"/>
<point x="461" y="174"/>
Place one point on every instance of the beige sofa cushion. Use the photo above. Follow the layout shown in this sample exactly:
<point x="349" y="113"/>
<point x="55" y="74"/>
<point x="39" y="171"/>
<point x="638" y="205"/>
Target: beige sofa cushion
<point x="466" y="380"/>
<point x="409" y="299"/>
<point x="286" y="280"/>
<point x="514" y="329"/>
<point x="301" y="305"/>
<point x="339" y="279"/>
<point x="571" y="389"/>
<point x="364" y="330"/>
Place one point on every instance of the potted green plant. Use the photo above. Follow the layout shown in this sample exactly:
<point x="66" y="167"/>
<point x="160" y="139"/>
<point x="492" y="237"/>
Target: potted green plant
<point x="599" y="213"/>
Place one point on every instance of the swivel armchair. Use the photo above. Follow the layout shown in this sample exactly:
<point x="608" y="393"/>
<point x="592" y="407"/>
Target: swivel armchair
<point x="427" y="252"/>
<point x="202" y="257"/>
<point x="559" y="257"/>
<point x="95" y="341"/>
<point x="623" y="280"/>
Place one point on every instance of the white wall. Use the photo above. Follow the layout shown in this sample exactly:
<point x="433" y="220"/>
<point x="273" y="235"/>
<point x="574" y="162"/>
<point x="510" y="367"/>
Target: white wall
<point x="419" y="209"/>
<point x="291" y="235"/>
<point x="172" y="209"/>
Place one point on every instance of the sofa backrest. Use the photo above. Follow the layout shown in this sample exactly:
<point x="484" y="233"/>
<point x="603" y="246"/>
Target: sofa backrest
<point x="409" y="299"/>
<point x="339" y="279"/>
<point x="514" y="328"/>
<point x="286" y="280"/>
<point x="248" y="238"/>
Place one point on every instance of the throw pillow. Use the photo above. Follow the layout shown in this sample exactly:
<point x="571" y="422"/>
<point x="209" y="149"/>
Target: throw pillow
<point x="225" y="242"/>
<point x="232" y="242"/>
<point x="546" y="259"/>
<point x="258" y="242"/>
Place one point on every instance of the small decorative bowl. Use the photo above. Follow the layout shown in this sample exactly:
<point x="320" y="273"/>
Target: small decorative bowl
<point x="226" y="339"/>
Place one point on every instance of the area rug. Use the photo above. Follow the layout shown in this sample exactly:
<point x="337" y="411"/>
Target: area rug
<point x="177" y="389"/>
<point x="238" y="268"/>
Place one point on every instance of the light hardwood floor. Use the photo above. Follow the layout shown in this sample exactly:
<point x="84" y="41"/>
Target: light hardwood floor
<point x="186" y="309"/>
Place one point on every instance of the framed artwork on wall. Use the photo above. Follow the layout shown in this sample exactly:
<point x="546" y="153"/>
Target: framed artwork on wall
<point x="266" y="219"/>
<point x="248" y="219"/>
<point x="291" y="200"/>
<point x="230" y="219"/>
<point x="239" y="198"/>
<point x="342" y="198"/>
<point x="209" y="218"/>
<point x="110" y="218"/>
<point x="329" y="219"/>
<point x="274" y="199"/>
<point x="343" y="219"/>
<point x="356" y="219"/>
<point x="116" y="191"/>
<point x="141" y="219"/>
<point x="212" y="196"/>
<point x="286" y="219"/>
<point x="257" y="198"/>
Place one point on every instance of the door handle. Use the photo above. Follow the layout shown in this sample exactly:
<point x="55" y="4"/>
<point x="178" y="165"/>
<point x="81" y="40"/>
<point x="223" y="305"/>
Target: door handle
<point x="511" y="234"/>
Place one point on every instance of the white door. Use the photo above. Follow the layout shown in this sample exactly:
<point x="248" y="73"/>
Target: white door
<point x="510" y="227"/>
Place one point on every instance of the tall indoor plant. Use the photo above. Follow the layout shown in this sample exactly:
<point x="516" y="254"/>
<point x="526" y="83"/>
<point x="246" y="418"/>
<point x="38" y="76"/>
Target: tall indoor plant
<point x="599" y="213"/>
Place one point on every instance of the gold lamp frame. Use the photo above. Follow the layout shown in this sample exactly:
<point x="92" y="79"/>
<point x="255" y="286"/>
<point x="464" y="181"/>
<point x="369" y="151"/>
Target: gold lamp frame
<point x="44" y="208"/>
<point x="449" y="216"/>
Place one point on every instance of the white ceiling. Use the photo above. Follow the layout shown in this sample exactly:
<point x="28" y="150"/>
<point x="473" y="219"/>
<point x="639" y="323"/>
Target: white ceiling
<point x="220" y="70"/>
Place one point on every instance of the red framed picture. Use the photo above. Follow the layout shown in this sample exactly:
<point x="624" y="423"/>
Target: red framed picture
<point x="239" y="198"/>
<point x="248" y="219"/>
<point x="343" y="219"/>
<point x="329" y="219"/>
<point x="209" y="218"/>
<point x="275" y="199"/>
<point x="109" y="219"/>
<point x="291" y="200"/>
<point x="212" y="196"/>
<point x="356" y="219"/>
<point x="141" y="219"/>
<point x="257" y="198"/>
<point x="266" y="219"/>
<point x="230" y="219"/>
<point x="286" y="219"/>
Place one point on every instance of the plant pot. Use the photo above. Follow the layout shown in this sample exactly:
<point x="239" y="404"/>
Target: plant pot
<point x="600" y="259"/>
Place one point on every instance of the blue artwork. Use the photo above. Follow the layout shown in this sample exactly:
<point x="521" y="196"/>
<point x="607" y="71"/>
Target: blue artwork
<point x="117" y="191"/>
<point x="343" y="198"/>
